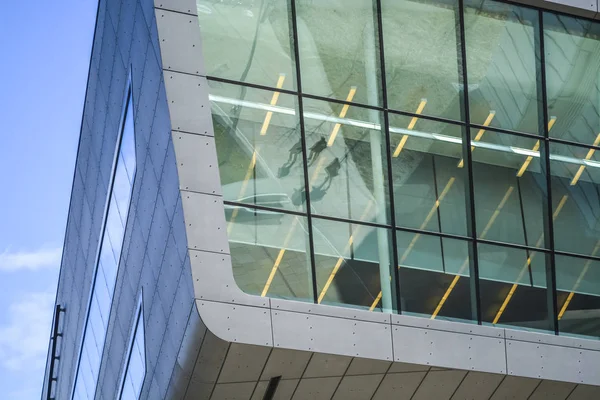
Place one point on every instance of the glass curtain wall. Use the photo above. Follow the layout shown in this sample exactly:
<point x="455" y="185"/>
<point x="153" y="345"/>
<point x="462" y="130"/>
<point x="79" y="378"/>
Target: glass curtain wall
<point x="431" y="157"/>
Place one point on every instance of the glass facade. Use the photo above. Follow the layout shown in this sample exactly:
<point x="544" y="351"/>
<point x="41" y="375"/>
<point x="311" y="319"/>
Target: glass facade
<point x="434" y="158"/>
<point x="107" y="263"/>
<point x="135" y="367"/>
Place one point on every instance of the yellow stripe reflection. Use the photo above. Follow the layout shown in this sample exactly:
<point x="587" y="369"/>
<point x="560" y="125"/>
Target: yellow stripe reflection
<point x="410" y="127"/>
<point x="479" y="135"/>
<point x="536" y="147"/>
<point x="343" y="113"/>
<point x="589" y="155"/>
<point x="466" y="262"/>
<point x="513" y="288"/>
<point x="274" y="99"/>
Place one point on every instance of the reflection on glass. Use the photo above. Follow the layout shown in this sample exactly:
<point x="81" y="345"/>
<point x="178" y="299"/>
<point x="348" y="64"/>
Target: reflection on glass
<point x="578" y="284"/>
<point x="502" y="64"/>
<point x="339" y="50"/>
<point x="135" y="369"/>
<point x="428" y="175"/>
<point x="247" y="41"/>
<point x="270" y="253"/>
<point x="353" y="265"/>
<point x="434" y="276"/>
<point x="421" y="62"/>
<point x="573" y="77"/>
<point x="259" y="147"/>
<point x="513" y="287"/>
<point x="347" y="163"/>
<point x="575" y="177"/>
<point x="509" y="188"/>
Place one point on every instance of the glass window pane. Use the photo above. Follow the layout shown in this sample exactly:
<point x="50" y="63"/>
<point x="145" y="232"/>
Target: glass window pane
<point x="434" y="276"/>
<point x="259" y="147"/>
<point x="347" y="162"/>
<point x="121" y="191"/>
<point x="509" y="188"/>
<point x="572" y="48"/>
<point x="421" y="57"/>
<point x="513" y="287"/>
<point x="339" y="50"/>
<point x="127" y="150"/>
<point x="428" y="174"/>
<point x="578" y="284"/>
<point x="501" y="65"/>
<point x="351" y="262"/>
<point x="247" y="41"/>
<point x="575" y="176"/>
<point x="270" y="254"/>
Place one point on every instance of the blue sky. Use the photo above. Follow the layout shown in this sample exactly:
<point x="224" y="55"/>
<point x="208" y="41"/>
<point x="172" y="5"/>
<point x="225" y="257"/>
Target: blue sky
<point x="45" y="49"/>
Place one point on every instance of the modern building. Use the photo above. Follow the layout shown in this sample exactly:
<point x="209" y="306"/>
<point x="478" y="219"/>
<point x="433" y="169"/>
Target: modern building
<point x="335" y="199"/>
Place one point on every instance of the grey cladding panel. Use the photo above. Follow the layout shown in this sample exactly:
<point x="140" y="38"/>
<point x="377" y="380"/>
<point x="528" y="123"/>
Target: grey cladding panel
<point x="188" y="103"/>
<point x="180" y="43"/>
<point x="184" y="6"/>
<point x="203" y="211"/>
<point x="197" y="163"/>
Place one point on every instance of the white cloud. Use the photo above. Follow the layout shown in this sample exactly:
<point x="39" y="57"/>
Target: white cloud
<point x="35" y="260"/>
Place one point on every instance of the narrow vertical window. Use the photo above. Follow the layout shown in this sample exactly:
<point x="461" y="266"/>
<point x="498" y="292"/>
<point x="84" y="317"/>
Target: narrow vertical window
<point x="135" y="363"/>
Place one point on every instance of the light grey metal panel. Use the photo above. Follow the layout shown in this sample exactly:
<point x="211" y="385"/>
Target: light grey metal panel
<point x="399" y="386"/>
<point x="477" y="386"/>
<point x="447" y="326"/>
<point x="588" y="5"/>
<point x="284" y="391"/>
<point x="180" y="43"/>
<point x="565" y="341"/>
<point x="338" y="312"/>
<point x="233" y="391"/>
<point x="184" y="6"/>
<point x="406" y="367"/>
<point x="448" y="349"/>
<point x="316" y="388"/>
<point x="361" y="387"/>
<point x="213" y="280"/>
<point x="197" y="163"/>
<point x="513" y="387"/>
<point x="568" y="364"/>
<point x="585" y="392"/>
<point x="188" y="103"/>
<point x="322" y="365"/>
<point x="237" y="323"/>
<point x="439" y="385"/>
<point x="331" y="335"/>
<point x="288" y="364"/>
<point x="549" y="390"/>
<point x="363" y="366"/>
<point x="244" y="363"/>
<point x="205" y="222"/>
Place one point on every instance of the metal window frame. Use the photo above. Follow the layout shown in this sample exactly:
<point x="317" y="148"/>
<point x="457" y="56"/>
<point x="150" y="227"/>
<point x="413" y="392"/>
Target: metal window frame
<point x="138" y="318"/>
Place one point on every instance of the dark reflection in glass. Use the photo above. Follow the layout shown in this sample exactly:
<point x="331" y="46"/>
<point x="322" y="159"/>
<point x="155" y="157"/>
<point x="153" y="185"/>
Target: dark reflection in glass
<point x="509" y="188"/>
<point x="572" y="77"/>
<point x="353" y="264"/>
<point x="428" y="175"/>
<point x="247" y="41"/>
<point x="347" y="162"/>
<point x="434" y="276"/>
<point x="421" y="57"/>
<point x="259" y="147"/>
<point x="502" y="65"/>
<point x="270" y="253"/>
<point x="575" y="177"/>
<point x="513" y="287"/>
<point x="339" y="50"/>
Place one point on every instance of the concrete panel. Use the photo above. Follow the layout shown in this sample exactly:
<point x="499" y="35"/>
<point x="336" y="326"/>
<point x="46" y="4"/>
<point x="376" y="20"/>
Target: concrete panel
<point x="237" y="323"/>
<point x="188" y="103"/>
<point x="331" y="335"/>
<point x="285" y="389"/>
<point x="180" y="44"/>
<point x="364" y="366"/>
<point x="316" y="388"/>
<point x="208" y="365"/>
<point x="184" y="6"/>
<point x="358" y="387"/>
<point x="205" y="222"/>
<point x="477" y="386"/>
<point x="323" y="365"/>
<point x="585" y="392"/>
<point x="399" y="386"/>
<point x="439" y="385"/>
<point x="548" y="390"/>
<point x="233" y="391"/>
<point x="406" y="367"/>
<point x="516" y="388"/>
<point x="244" y="363"/>
<point x="332" y="311"/>
<point x="587" y="5"/>
<point x="197" y="163"/>
<point x="447" y="349"/>
<point x="447" y="326"/>
<point x="289" y="364"/>
<point x="544" y="338"/>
